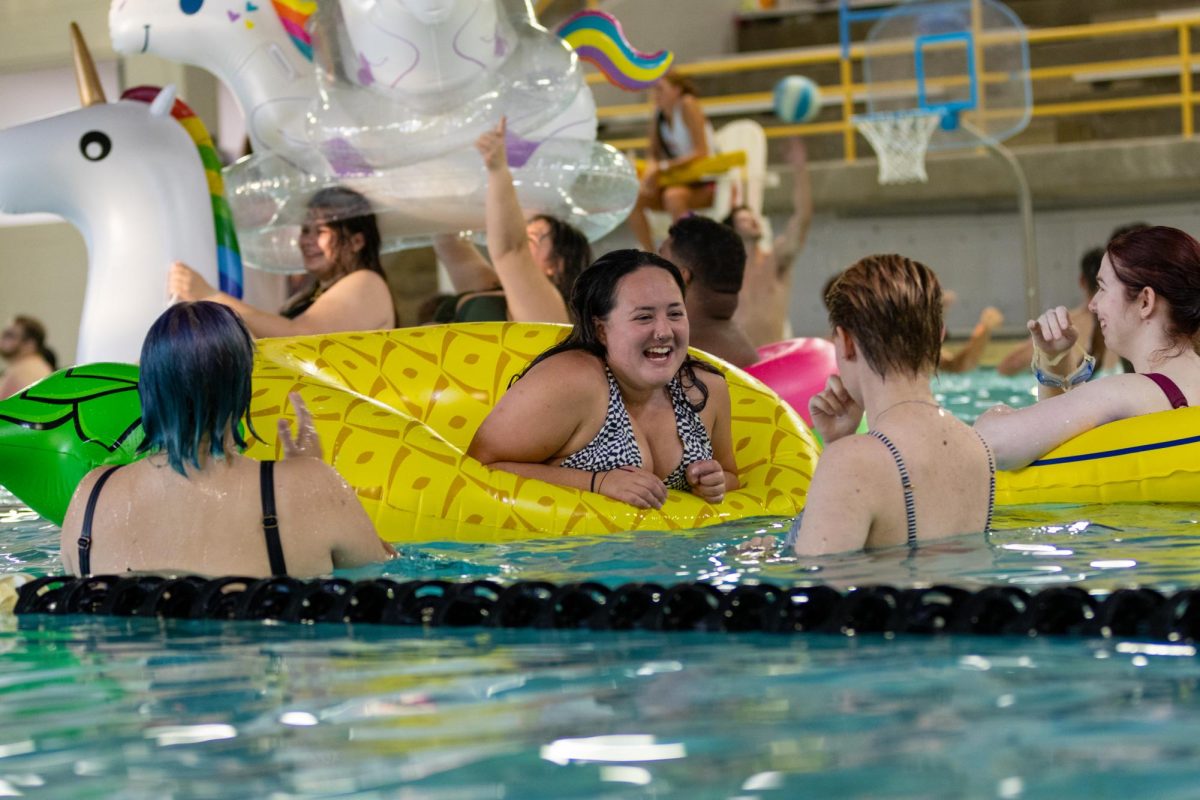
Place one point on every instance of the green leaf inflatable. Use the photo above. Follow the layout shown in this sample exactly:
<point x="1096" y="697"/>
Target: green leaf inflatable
<point x="64" y="426"/>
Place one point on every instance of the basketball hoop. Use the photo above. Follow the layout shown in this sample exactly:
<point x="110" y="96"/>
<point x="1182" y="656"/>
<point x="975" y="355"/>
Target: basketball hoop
<point x="900" y="139"/>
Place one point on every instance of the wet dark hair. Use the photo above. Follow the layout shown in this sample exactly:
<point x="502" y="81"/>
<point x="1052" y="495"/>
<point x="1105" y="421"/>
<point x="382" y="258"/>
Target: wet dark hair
<point x="1089" y="268"/>
<point x="571" y="247"/>
<point x="711" y="251"/>
<point x="593" y="298"/>
<point x="346" y="213"/>
<point x="35" y="331"/>
<point x="1168" y="261"/>
<point x="892" y="306"/>
<point x="194" y="382"/>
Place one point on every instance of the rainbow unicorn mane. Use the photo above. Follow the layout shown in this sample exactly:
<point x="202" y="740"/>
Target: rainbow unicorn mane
<point x="598" y="39"/>
<point x="229" y="257"/>
<point x="293" y="15"/>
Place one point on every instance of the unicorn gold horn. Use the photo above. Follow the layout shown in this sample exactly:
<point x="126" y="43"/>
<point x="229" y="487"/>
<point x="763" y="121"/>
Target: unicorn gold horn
<point x="90" y="91"/>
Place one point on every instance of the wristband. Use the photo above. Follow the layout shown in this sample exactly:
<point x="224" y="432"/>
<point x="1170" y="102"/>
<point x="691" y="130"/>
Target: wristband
<point x="1080" y="375"/>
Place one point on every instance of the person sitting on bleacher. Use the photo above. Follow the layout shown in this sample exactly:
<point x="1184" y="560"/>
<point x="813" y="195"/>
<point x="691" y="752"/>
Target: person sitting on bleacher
<point x="679" y="135"/>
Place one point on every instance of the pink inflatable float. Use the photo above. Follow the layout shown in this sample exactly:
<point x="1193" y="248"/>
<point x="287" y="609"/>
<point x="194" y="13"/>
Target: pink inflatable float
<point x="796" y="369"/>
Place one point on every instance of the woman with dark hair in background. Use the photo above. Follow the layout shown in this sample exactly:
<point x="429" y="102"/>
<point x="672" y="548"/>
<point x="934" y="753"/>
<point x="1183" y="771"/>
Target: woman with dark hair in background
<point x="679" y="135"/>
<point x="194" y="503"/>
<point x="619" y="407"/>
<point x="339" y="243"/>
<point x="1147" y="304"/>
<point x="28" y="359"/>
<point x="534" y="262"/>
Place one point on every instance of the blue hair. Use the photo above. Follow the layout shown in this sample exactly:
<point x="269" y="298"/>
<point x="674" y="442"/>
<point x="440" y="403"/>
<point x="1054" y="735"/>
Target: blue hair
<point x="195" y="382"/>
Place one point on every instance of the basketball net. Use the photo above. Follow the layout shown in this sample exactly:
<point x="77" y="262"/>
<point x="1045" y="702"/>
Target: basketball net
<point x="900" y="140"/>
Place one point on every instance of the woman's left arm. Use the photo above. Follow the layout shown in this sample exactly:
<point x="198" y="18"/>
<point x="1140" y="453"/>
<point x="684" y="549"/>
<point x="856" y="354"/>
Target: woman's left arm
<point x="722" y="432"/>
<point x="1018" y="437"/>
<point x="359" y="301"/>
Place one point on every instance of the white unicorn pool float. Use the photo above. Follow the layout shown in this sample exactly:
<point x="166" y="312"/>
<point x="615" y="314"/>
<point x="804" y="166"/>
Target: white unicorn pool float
<point x="398" y="92"/>
<point x="129" y="177"/>
<point x="260" y="49"/>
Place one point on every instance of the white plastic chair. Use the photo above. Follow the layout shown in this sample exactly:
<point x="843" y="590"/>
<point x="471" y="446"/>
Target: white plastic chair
<point x="745" y="185"/>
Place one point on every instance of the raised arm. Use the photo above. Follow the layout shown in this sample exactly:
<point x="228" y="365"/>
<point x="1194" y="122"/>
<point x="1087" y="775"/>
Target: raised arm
<point x="967" y="358"/>
<point x="469" y="271"/>
<point x="530" y="294"/>
<point x="789" y="243"/>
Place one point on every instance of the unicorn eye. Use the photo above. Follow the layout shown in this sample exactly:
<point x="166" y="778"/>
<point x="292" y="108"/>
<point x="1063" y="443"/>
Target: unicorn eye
<point x="95" y="145"/>
<point x="190" y="6"/>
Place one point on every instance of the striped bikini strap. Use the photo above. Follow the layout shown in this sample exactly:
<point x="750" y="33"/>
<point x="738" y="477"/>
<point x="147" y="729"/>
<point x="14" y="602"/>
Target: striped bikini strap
<point x="987" y="448"/>
<point x="910" y="507"/>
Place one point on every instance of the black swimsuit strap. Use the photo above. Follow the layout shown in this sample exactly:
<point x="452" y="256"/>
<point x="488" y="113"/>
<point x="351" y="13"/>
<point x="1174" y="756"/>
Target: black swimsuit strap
<point x="85" y="532"/>
<point x="910" y="506"/>
<point x="270" y="522"/>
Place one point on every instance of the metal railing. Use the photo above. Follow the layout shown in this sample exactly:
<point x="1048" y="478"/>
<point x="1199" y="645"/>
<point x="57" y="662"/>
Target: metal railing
<point x="847" y="93"/>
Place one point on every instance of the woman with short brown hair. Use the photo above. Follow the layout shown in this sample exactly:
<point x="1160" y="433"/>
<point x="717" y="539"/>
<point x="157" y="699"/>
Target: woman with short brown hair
<point x="890" y="486"/>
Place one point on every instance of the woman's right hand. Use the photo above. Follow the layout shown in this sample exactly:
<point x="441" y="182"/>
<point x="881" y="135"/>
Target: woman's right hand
<point x="307" y="443"/>
<point x="1053" y="332"/>
<point x="184" y="283"/>
<point x="834" y="412"/>
<point x="492" y="146"/>
<point x="636" y="486"/>
<point x="649" y="184"/>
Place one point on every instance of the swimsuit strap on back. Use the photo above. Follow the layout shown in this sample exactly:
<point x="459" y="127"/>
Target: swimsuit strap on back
<point x="1174" y="396"/>
<point x="910" y="507"/>
<point x="987" y="448"/>
<point x="85" y="533"/>
<point x="270" y="522"/>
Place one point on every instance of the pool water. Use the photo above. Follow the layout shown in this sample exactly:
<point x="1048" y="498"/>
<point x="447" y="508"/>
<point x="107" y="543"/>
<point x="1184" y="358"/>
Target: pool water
<point x="137" y="708"/>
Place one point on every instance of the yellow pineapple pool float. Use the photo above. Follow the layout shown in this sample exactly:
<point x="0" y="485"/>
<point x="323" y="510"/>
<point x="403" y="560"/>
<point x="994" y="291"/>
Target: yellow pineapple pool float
<point x="397" y="409"/>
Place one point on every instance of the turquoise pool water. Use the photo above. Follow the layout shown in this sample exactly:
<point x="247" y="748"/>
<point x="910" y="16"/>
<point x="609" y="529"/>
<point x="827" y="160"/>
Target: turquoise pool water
<point x="143" y="708"/>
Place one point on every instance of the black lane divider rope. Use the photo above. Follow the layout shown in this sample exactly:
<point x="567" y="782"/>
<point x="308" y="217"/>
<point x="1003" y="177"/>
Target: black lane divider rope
<point x="997" y="610"/>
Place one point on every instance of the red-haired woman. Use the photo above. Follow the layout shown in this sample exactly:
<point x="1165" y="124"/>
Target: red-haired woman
<point x="1148" y="306"/>
<point x="889" y="486"/>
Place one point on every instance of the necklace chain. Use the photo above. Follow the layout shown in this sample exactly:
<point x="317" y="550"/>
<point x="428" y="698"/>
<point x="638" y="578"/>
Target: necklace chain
<point x="879" y="416"/>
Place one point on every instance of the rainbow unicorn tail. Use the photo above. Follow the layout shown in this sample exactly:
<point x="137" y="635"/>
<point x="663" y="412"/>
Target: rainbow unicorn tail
<point x="229" y="257"/>
<point x="598" y="39"/>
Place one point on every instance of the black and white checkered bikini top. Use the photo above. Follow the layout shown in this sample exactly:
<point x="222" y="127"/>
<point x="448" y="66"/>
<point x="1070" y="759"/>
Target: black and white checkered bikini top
<point x="616" y="446"/>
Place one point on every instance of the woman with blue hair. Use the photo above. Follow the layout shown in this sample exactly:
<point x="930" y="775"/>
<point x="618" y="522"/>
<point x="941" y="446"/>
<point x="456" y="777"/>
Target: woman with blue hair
<point x="195" y="503"/>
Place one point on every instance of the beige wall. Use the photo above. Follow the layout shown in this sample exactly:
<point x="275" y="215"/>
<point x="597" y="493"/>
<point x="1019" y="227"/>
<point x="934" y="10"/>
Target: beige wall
<point x="42" y="272"/>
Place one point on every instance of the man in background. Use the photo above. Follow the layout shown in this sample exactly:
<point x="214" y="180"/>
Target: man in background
<point x="28" y="360"/>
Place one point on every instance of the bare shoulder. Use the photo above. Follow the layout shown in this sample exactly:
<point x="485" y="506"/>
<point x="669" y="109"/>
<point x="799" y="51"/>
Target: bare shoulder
<point x="74" y="517"/>
<point x="859" y="457"/>
<point x="361" y="280"/>
<point x="575" y="373"/>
